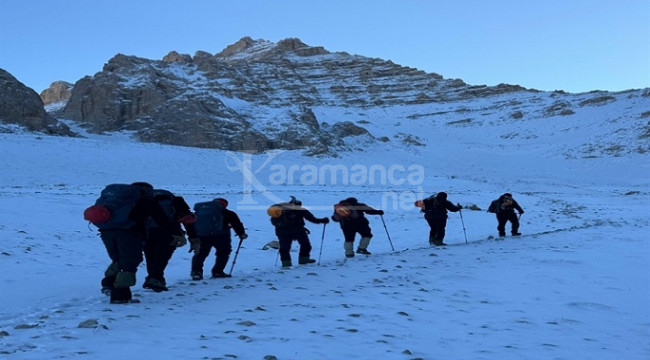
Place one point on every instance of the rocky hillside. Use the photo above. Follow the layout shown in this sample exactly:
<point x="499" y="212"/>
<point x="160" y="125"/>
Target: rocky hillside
<point x="259" y="95"/>
<point x="22" y="106"/>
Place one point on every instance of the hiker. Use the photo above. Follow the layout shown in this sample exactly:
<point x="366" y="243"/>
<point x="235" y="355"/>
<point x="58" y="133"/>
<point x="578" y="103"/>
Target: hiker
<point x="504" y="207"/>
<point x="123" y="227"/>
<point x="435" y="212"/>
<point x="160" y="245"/>
<point x="213" y="224"/>
<point x="349" y="214"/>
<point x="289" y="221"/>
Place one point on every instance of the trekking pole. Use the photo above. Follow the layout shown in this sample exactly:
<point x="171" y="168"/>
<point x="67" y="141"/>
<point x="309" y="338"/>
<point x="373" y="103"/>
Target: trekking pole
<point x="277" y="257"/>
<point x="234" y="260"/>
<point x="387" y="234"/>
<point x="463" y="222"/>
<point x="322" y="239"/>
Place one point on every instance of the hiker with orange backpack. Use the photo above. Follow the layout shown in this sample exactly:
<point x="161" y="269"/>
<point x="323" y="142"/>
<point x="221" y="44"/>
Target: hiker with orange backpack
<point x="349" y="213"/>
<point x="435" y="213"/>
<point x="289" y="221"/>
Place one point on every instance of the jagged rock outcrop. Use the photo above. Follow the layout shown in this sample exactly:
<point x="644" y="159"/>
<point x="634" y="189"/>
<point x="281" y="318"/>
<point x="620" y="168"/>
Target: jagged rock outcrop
<point x="257" y="95"/>
<point x="58" y="91"/>
<point x="20" y="105"/>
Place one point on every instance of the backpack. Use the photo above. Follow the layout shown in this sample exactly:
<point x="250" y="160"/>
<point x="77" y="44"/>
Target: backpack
<point x="166" y="201"/>
<point x="345" y="212"/>
<point x="430" y="204"/>
<point x="494" y="206"/>
<point x="112" y="210"/>
<point x="209" y="219"/>
<point x="285" y="215"/>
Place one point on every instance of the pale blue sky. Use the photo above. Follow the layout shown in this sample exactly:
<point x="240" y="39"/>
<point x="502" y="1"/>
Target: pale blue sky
<point x="572" y="45"/>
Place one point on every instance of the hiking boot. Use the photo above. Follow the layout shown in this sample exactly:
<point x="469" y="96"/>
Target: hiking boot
<point x="286" y="263"/>
<point x="516" y="234"/>
<point x="220" y="274"/>
<point x="349" y="255"/>
<point x="155" y="285"/>
<point x="305" y="260"/>
<point x="502" y="234"/>
<point x="363" y="251"/>
<point x="122" y="296"/>
<point x="196" y="275"/>
<point x="439" y="243"/>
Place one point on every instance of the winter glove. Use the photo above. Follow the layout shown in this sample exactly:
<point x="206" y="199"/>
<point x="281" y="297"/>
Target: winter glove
<point x="243" y="236"/>
<point x="325" y="220"/>
<point x="521" y="212"/>
<point x="459" y="206"/>
<point x="307" y="231"/>
<point x="380" y="212"/>
<point x="178" y="240"/>
<point x="195" y="245"/>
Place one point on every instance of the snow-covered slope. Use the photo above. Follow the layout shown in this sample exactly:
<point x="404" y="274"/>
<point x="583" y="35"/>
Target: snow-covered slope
<point x="576" y="285"/>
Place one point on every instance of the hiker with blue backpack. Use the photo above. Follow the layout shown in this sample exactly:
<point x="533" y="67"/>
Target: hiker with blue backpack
<point x="121" y="213"/>
<point x="213" y="224"/>
<point x="288" y="218"/>
<point x="160" y="244"/>
<point x="504" y="207"/>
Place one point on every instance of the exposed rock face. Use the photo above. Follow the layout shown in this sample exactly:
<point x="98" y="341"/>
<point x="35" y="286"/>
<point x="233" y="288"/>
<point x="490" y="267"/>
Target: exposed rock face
<point x="22" y="106"/>
<point x="57" y="92"/>
<point x="257" y="95"/>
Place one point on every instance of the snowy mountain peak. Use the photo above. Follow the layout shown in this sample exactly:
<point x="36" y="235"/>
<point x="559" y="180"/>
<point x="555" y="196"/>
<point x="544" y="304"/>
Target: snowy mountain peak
<point x="247" y="49"/>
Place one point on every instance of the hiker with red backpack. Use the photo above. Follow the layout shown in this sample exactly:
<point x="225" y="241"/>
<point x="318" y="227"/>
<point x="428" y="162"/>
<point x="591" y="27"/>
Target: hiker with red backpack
<point x="212" y="226"/>
<point x="504" y="207"/>
<point x="349" y="213"/>
<point x="289" y="221"/>
<point x="435" y="209"/>
<point x="160" y="244"/>
<point x="120" y="213"/>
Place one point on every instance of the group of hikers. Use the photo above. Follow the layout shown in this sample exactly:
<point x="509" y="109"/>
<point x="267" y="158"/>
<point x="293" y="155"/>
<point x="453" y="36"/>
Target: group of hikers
<point x="137" y="218"/>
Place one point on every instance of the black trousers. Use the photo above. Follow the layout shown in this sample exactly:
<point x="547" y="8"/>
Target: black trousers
<point x="503" y="218"/>
<point x="124" y="247"/>
<point x="157" y="253"/>
<point x="286" y="237"/>
<point x="223" y="246"/>
<point x="438" y="225"/>
<point x="351" y="230"/>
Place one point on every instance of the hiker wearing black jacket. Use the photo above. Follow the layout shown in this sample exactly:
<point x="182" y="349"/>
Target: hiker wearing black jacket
<point x="125" y="246"/>
<point x="349" y="213"/>
<point x="506" y="212"/>
<point x="160" y="244"/>
<point x="435" y="209"/>
<point x="222" y="243"/>
<point x="289" y="221"/>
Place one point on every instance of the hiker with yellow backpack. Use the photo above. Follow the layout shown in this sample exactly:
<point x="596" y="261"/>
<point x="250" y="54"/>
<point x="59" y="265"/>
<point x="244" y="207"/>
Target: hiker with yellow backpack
<point x="288" y="218"/>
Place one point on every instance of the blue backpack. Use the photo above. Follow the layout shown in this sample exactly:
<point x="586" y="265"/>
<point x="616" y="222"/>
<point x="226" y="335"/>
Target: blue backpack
<point x="112" y="210"/>
<point x="209" y="219"/>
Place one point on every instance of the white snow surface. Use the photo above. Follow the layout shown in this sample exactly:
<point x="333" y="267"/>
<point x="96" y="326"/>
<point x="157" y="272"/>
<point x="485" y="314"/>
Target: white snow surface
<point x="575" y="286"/>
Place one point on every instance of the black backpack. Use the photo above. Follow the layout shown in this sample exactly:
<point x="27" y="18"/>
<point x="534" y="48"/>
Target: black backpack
<point x="289" y="217"/>
<point x="431" y="204"/>
<point x="165" y="199"/>
<point x="494" y="206"/>
<point x="112" y="210"/>
<point x="209" y="219"/>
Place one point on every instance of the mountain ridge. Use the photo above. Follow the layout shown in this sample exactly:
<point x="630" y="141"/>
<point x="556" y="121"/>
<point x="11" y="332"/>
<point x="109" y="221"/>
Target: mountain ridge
<point x="256" y="95"/>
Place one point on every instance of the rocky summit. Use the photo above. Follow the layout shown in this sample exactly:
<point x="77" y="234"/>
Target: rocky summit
<point x="257" y="95"/>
